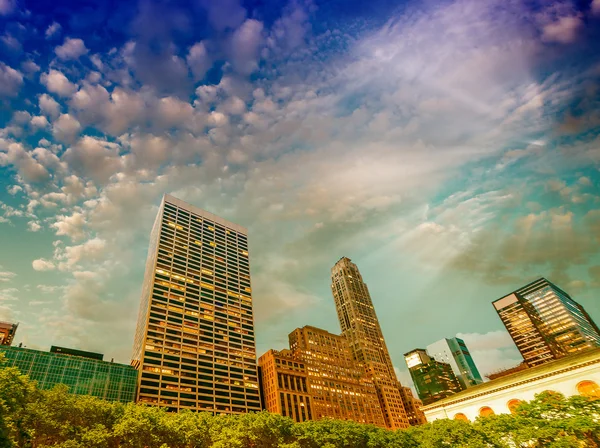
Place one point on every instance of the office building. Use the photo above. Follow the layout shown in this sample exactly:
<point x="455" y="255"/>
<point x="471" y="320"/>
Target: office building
<point x="433" y="380"/>
<point x="578" y="374"/>
<point x="338" y="386"/>
<point x="194" y="344"/>
<point x="454" y="351"/>
<point x="284" y="381"/>
<point x="360" y="327"/>
<point x="7" y="332"/>
<point x="546" y="323"/>
<point x="412" y="406"/>
<point x="83" y="372"/>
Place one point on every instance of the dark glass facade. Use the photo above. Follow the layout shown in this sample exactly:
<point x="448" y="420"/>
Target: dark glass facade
<point x="546" y="323"/>
<point x="433" y="380"/>
<point x="194" y="344"/>
<point x="83" y="375"/>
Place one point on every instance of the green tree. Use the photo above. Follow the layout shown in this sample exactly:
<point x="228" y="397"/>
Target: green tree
<point x="16" y="392"/>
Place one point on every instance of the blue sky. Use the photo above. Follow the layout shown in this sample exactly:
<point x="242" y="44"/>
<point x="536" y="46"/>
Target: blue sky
<point x="450" y="148"/>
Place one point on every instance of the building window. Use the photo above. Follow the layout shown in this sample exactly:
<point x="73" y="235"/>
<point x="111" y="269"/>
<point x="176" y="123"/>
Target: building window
<point x="513" y="405"/>
<point x="461" y="416"/>
<point x="486" y="411"/>
<point x="589" y="389"/>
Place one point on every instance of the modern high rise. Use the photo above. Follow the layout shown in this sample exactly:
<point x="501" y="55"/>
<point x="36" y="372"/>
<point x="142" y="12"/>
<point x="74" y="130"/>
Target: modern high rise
<point x="433" y="379"/>
<point x="546" y="323"/>
<point x="454" y="351"/>
<point x="360" y="327"/>
<point x="84" y="373"/>
<point x="7" y="332"/>
<point x="285" y="387"/>
<point x="337" y="384"/>
<point x="194" y="344"/>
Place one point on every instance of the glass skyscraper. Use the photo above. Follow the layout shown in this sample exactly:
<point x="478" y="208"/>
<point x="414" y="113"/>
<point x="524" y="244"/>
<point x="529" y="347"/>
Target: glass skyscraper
<point x="433" y="379"/>
<point x="194" y="344"/>
<point x="360" y="327"/>
<point x="84" y="373"/>
<point x="454" y="351"/>
<point x="546" y="323"/>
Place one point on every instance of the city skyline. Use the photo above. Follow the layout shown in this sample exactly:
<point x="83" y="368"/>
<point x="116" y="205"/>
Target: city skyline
<point x="448" y="148"/>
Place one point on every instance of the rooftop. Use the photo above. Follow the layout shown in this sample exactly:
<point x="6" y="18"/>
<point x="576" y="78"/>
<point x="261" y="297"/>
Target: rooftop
<point x="524" y="376"/>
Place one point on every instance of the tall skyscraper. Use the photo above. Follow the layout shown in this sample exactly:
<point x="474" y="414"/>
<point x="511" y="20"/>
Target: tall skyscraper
<point x="546" y="323"/>
<point x="360" y="327"/>
<point x="412" y="406"/>
<point x="194" y="344"/>
<point x="338" y="385"/>
<point x="454" y="351"/>
<point x="7" y="332"/>
<point x="433" y="379"/>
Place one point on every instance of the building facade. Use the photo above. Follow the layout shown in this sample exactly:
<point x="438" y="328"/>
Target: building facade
<point x="578" y="374"/>
<point x="360" y="327"/>
<point x="194" y="343"/>
<point x="433" y="379"/>
<point x="546" y="323"/>
<point x="412" y="406"/>
<point x="454" y="351"/>
<point x="84" y="373"/>
<point x="285" y="387"/>
<point x="338" y="385"/>
<point x="7" y="332"/>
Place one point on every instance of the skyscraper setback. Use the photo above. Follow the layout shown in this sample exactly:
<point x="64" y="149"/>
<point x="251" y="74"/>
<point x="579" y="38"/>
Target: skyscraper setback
<point x="546" y="323"/>
<point x="360" y="327"/>
<point x="194" y="343"/>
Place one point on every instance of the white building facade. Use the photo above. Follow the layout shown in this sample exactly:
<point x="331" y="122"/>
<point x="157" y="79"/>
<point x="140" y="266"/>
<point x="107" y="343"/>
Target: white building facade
<point x="573" y="375"/>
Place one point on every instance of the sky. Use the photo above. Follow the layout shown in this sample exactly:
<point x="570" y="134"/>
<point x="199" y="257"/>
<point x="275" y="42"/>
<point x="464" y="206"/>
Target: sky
<point x="449" y="148"/>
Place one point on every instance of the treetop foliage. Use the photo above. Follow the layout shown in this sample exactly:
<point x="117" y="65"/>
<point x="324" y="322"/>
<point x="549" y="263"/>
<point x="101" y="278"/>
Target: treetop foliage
<point x="33" y="418"/>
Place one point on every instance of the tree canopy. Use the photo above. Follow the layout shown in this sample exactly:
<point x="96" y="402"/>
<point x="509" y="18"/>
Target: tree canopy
<point x="33" y="418"/>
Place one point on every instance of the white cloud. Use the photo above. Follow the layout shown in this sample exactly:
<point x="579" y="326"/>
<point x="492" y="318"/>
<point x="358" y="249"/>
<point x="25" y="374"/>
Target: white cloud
<point x="245" y="46"/>
<point x="57" y="82"/>
<point x="42" y="264"/>
<point x="7" y="6"/>
<point x="66" y="128"/>
<point x="71" y="49"/>
<point x="90" y="251"/>
<point x="34" y="226"/>
<point x="94" y="158"/>
<point x="198" y="60"/>
<point x="71" y="226"/>
<point x="564" y="30"/>
<point x="53" y="30"/>
<point x="6" y="276"/>
<point x="27" y="165"/>
<point x="39" y="122"/>
<point x="10" y="80"/>
<point x="49" y="106"/>
<point x="595" y="7"/>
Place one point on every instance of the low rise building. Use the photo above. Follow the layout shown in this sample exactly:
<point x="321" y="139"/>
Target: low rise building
<point x="7" y="332"/>
<point x="285" y="385"/>
<point x="571" y="375"/>
<point x="85" y="373"/>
